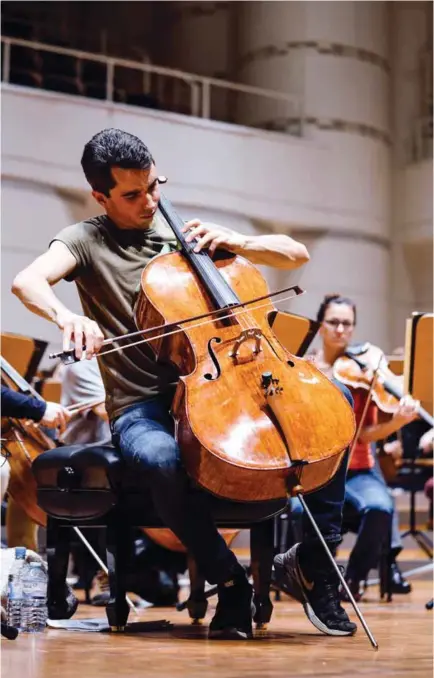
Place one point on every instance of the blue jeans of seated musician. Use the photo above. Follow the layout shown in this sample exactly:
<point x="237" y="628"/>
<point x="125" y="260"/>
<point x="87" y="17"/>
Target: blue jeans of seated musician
<point x="144" y="435"/>
<point x="368" y="497"/>
<point x="326" y="506"/>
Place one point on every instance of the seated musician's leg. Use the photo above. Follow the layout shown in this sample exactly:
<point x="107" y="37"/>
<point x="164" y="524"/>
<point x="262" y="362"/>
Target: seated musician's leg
<point x="20" y="529"/>
<point x="369" y="496"/>
<point x="144" y="434"/>
<point x="399" y="584"/>
<point x="305" y="570"/>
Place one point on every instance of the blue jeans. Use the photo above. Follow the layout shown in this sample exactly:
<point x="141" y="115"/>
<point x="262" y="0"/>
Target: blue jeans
<point x="368" y="495"/>
<point x="395" y="535"/>
<point x="326" y="506"/>
<point x="144" y="435"/>
<point x="368" y="501"/>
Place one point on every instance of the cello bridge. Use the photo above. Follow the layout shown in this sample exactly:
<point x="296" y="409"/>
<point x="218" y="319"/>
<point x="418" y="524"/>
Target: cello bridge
<point x="245" y="335"/>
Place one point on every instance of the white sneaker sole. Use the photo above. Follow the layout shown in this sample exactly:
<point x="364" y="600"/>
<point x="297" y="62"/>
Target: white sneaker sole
<point x="296" y="590"/>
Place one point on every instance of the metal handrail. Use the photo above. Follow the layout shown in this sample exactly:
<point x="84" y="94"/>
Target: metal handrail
<point x="201" y="104"/>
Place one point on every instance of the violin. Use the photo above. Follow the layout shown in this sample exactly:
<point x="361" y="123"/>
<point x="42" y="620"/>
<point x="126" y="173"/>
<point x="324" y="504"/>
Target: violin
<point x="23" y="441"/>
<point x="252" y="420"/>
<point x="366" y="366"/>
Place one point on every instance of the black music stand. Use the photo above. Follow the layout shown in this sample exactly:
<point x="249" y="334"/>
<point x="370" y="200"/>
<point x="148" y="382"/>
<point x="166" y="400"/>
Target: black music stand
<point x="422" y="539"/>
<point x="418" y="380"/>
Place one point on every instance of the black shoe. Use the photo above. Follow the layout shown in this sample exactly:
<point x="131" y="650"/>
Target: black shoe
<point x="355" y="586"/>
<point x="64" y="607"/>
<point x="233" y="616"/>
<point x="101" y="599"/>
<point x="320" y="598"/>
<point x="399" y="582"/>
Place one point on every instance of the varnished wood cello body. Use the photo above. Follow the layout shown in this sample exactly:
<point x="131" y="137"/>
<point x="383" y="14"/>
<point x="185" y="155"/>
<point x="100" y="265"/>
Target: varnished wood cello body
<point x="22" y="442"/>
<point x="251" y="418"/>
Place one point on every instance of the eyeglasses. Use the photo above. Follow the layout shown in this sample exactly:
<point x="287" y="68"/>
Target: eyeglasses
<point x="346" y="324"/>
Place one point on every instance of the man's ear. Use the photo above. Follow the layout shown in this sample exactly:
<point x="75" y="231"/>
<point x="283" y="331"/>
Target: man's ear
<point x="100" y="198"/>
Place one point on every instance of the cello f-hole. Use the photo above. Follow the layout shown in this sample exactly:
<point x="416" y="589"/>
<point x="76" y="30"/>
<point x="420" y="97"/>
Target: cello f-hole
<point x="208" y="376"/>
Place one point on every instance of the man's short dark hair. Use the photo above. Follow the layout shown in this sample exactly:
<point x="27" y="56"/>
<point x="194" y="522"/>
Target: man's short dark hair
<point x="112" y="148"/>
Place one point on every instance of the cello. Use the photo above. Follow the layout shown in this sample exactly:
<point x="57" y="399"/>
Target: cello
<point x="252" y="420"/>
<point x="23" y="441"/>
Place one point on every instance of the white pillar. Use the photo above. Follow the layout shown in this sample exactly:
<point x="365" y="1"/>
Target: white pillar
<point x="200" y="37"/>
<point x="412" y="264"/>
<point x="201" y="41"/>
<point x="334" y="56"/>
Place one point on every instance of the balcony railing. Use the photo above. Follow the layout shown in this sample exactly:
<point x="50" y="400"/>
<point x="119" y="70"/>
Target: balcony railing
<point x="115" y="79"/>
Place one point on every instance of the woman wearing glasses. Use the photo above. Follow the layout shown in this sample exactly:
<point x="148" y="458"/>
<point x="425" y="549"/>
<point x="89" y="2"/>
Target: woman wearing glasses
<point x="367" y="498"/>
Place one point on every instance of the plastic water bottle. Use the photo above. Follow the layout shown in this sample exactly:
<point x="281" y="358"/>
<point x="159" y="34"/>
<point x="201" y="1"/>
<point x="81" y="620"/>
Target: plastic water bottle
<point x="34" y="609"/>
<point x="15" y="588"/>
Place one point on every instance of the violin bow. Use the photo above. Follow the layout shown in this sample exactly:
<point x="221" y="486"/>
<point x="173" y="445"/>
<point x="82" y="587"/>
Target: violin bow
<point x="68" y="356"/>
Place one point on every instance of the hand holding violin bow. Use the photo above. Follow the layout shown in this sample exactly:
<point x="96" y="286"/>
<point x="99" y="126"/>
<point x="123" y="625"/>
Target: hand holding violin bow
<point x="82" y="331"/>
<point x="56" y="416"/>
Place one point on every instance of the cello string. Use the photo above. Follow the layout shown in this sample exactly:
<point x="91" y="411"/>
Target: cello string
<point x="212" y="271"/>
<point x="202" y="324"/>
<point x="243" y="321"/>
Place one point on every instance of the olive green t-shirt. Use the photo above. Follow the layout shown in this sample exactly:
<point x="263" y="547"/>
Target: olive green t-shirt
<point x="109" y="264"/>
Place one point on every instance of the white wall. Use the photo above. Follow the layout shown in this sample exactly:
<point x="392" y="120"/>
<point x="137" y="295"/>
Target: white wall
<point x="412" y="206"/>
<point x="31" y="214"/>
<point x="262" y="175"/>
<point x="412" y="268"/>
<point x="257" y="181"/>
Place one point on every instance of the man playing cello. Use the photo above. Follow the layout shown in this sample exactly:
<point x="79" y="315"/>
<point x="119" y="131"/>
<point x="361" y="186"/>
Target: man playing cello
<point x="105" y="256"/>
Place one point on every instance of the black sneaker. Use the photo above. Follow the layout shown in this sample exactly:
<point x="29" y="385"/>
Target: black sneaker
<point x="320" y="599"/>
<point x="356" y="587"/>
<point x="233" y="616"/>
<point x="400" y="584"/>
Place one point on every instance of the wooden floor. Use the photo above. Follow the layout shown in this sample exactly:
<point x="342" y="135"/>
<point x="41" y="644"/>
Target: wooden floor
<point x="290" y="648"/>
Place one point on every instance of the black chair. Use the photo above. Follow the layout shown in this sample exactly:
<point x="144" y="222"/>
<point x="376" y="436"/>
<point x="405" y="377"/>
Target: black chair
<point x="90" y="485"/>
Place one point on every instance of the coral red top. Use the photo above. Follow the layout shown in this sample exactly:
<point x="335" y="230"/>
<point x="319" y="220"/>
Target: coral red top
<point x="362" y="457"/>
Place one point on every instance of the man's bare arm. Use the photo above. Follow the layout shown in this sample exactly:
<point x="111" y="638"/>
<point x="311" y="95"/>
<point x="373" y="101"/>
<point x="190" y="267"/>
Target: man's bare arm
<point x="279" y="251"/>
<point x="33" y="286"/>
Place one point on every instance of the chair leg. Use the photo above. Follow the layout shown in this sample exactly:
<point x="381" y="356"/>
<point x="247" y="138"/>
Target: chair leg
<point x="197" y="604"/>
<point x="61" y="602"/>
<point x="385" y="570"/>
<point x="118" y="555"/>
<point x="262" y="552"/>
<point x="197" y="601"/>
